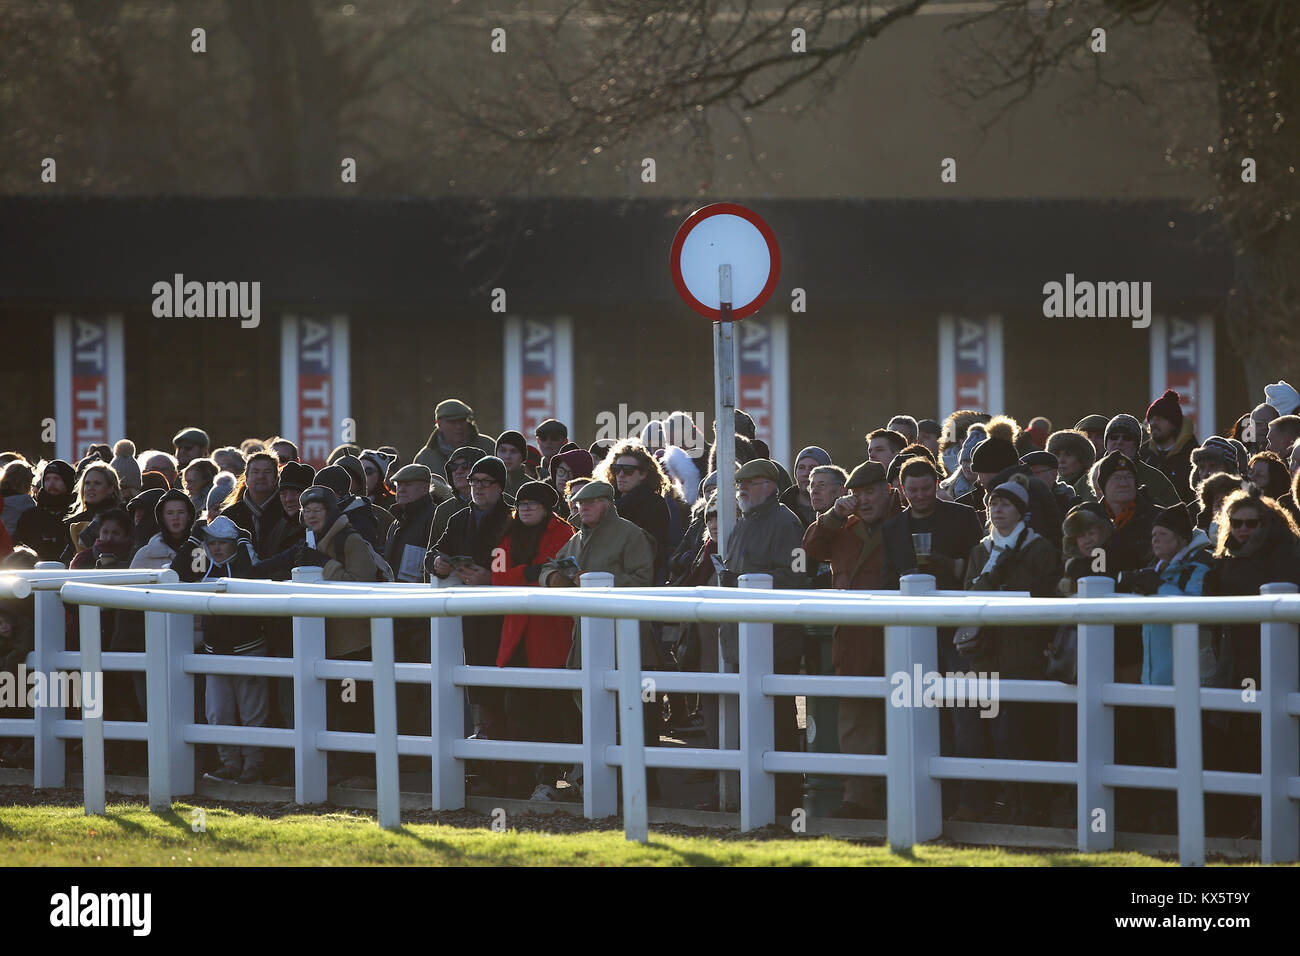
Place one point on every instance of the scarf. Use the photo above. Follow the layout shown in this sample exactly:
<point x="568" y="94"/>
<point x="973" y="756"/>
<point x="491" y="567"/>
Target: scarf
<point x="999" y="545"/>
<point x="1126" y="513"/>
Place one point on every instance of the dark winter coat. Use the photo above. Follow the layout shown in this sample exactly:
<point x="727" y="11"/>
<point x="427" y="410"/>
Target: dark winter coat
<point x="1176" y="463"/>
<point x="259" y="525"/>
<point x="649" y="512"/>
<point x="956" y="531"/>
<point x="1032" y="565"/>
<point x="410" y="529"/>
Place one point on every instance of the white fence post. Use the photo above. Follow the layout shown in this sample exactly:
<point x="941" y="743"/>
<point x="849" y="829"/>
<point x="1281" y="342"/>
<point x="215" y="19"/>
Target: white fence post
<point x="92" y="727"/>
<point x="757" y="715"/>
<point x="1096" y="724"/>
<point x="50" y="753"/>
<point x="310" y="767"/>
<point x="915" y="799"/>
<point x="599" y="726"/>
<point x="180" y="701"/>
<point x="1187" y="744"/>
<point x="446" y="651"/>
<point x="632" y="721"/>
<point x="1279" y="736"/>
<point x="387" y="783"/>
<point x="156" y="691"/>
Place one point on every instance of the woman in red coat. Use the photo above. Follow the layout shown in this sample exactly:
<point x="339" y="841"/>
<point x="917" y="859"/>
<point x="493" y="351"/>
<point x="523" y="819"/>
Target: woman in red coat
<point x="533" y="536"/>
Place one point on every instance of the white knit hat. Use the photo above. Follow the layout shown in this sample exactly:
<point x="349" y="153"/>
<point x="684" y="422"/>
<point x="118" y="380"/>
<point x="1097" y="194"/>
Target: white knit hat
<point x="1282" y="397"/>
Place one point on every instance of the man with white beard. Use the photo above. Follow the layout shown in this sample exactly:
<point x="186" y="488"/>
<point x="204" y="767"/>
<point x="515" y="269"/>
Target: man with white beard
<point x="768" y="539"/>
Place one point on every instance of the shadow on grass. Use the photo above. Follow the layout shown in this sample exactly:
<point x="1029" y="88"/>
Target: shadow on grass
<point x="452" y="852"/>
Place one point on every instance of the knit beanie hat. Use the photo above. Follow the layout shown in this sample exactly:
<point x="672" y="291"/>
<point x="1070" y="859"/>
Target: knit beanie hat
<point x="817" y="454"/>
<point x="352" y="465"/>
<point x="993" y="455"/>
<point x="1167" y="407"/>
<point x="124" y="463"/>
<point x="492" y="466"/>
<point x="1014" y="492"/>
<point x="335" y="479"/>
<point x="1106" y="468"/>
<point x="538" y="491"/>
<point x="514" y="438"/>
<point x="1282" y="397"/>
<point x="1124" y="423"/>
<point x="1176" y="519"/>
<point x="296" y="476"/>
<point x="381" y="459"/>
<point x="222" y="485"/>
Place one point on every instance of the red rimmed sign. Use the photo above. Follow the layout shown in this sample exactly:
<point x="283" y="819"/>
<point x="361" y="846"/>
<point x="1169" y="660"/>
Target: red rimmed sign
<point x="725" y="234"/>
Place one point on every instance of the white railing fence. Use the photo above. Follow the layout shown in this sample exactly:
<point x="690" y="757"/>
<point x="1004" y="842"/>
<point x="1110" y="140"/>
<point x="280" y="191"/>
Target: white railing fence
<point x="610" y="688"/>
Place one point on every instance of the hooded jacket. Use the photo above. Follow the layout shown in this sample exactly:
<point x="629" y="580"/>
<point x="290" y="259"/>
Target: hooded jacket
<point x="161" y="549"/>
<point x="41" y="528"/>
<point x="222" y="634"/>
<point x="435" y="458"/>
<point x="15" y="506"/>
<point x="1176" y="463"/>
<point x="1184" y="574"/>
<point x="453" y="503"/>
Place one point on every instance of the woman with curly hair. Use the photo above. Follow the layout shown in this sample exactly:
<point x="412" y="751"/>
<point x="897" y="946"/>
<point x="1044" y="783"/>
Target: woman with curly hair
<point x="1258" y="544"/>
<point x="1269" y="474"/>
<point x="639" y="485"/>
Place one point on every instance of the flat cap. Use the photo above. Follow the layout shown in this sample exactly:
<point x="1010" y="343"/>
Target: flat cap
<point x="594" y="489"/>
<point x="759" y="468"/>
<point x="1043" y="459"/>
<point x="190" y="436"/>
<point x="413" y="472"/>
<point x="867" y="473"/>
<point x="452" y="408"/>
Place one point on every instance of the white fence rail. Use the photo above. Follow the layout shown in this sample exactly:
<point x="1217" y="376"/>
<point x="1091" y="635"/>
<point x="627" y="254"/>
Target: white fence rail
<point x="610" y="687"/>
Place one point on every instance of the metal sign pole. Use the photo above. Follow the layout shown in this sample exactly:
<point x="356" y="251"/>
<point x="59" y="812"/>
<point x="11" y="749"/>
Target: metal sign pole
<point x="724" y="388"/>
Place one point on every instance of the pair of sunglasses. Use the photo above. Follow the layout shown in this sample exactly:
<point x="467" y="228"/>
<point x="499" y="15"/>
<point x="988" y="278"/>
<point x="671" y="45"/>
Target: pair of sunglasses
<point x="1251" y="523"/>
<point x="624" y="469"/>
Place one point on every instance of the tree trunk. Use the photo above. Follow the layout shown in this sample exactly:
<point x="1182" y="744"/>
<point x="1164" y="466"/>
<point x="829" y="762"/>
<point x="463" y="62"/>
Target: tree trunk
<point x="1259" y="118"/>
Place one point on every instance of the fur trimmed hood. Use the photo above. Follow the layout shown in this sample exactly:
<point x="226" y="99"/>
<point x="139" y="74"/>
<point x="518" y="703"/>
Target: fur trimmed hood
<point x="683" y="472"/>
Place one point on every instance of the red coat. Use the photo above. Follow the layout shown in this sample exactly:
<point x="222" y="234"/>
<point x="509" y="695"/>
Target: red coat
<point x="546" y="638"/>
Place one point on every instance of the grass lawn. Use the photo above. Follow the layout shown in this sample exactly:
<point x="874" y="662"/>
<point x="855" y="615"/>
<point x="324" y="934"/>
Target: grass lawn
<point x="132" y="836"/>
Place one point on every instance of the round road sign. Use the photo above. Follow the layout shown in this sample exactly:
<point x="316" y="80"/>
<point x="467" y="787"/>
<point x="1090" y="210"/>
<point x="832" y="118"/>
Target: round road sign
<point x="725" y="234"/>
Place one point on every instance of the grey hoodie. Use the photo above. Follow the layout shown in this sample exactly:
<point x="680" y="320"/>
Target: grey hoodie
<point x="14" y="507"/>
